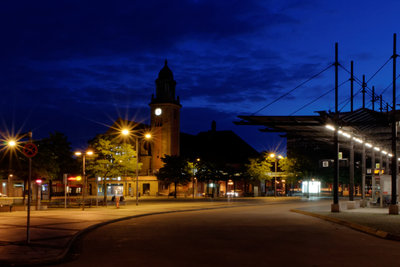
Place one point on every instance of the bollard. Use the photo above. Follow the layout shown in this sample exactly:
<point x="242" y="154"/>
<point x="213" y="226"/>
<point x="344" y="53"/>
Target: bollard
<point x="117" y="201"/>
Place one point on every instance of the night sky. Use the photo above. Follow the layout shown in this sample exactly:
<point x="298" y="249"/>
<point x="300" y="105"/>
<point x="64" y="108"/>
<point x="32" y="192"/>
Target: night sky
<point x="75" y="66"/>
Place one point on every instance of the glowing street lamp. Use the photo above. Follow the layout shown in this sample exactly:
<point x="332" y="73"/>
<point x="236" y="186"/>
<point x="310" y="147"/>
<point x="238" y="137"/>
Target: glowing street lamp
<point x="11" y="144"/>
<point x="127" y="132"/>
<point x="194" y="177"/>
<point x="273" y="156"/>
<point x="88" y="153"/>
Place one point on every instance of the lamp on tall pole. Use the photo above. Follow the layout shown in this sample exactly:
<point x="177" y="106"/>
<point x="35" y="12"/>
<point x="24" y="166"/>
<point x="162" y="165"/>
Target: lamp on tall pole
<point x="29" y="150"/>
<point x="11" y="144"/>
<point x="276" y="158"/>
<point x="194" y="178"/>
<point x="126" y="132"/>
<point x="89" y="153"/>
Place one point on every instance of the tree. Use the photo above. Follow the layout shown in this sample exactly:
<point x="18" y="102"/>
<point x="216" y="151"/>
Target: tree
<point x="292" y="169"/>
<point x="176" y="170"/>
<point x="111" y="159"/>
<point x="209" y="171"/>
<point x="54" y="157"/>
<point x="258" y="169"/>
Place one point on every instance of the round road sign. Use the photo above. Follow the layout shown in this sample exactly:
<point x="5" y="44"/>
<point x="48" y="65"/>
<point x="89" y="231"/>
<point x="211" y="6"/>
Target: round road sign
<point x="30" y="150"/>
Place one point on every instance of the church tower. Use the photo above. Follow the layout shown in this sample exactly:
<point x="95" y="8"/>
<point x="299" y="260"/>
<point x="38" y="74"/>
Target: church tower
<point x="165" y="117"/>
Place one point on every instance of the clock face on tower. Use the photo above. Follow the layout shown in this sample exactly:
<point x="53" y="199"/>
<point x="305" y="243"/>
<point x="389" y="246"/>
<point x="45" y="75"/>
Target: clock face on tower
<point x="158" y="111"/>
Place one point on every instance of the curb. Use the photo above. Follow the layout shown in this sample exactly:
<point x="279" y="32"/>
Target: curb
<point x="355" y="226"/>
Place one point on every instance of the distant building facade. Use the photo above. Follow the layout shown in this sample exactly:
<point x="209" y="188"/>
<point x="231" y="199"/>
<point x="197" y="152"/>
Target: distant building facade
<point x="165" y="130"/>
<point x="222" y="147"/>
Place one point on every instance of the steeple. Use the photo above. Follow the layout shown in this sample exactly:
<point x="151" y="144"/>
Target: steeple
<point x="165" y="87"/>
<point x="165" y="118"/>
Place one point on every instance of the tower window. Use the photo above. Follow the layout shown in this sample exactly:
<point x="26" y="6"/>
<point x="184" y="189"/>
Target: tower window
<point x="158" y="123"/>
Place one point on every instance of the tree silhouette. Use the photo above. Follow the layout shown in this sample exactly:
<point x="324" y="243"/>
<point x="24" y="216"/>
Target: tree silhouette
<point x="176" y="170"/>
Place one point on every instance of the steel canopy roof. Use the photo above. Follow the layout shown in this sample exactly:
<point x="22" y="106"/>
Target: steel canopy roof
<point x="369" y="125"/>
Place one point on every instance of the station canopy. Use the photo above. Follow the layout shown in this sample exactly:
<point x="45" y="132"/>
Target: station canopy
<point x="370" y="126"/>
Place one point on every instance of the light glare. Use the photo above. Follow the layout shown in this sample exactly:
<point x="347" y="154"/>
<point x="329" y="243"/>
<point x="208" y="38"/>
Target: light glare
<point x="311" y="187"/>
<point x="329" y="127"/>
<point x="347" y="135"/>
<point x="12" y="143"/>
<point x="125" y="131"/>
<point x="358" y="140"/>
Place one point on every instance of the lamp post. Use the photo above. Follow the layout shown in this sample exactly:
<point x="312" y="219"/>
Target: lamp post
<point x="273" y="156"/>
<point x="126" y="132"/>
<point x="28" y="217"/>
<point x="194" y="178"/>
<point x="29" y="150"/>
<point x="89" y="153"/>
<point x="11" y="145"/>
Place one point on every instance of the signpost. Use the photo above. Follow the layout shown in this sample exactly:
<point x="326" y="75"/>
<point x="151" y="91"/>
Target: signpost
<point x="65" y="190"/>
<point x="30" y="150"/>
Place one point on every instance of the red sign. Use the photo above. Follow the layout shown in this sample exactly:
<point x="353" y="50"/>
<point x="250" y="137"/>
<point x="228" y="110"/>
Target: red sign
<point x="30" y="150"/>
<point x="77" y="178"/>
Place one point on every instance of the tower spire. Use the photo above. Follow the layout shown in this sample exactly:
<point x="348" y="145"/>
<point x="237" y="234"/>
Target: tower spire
<point x="165" y="86"/>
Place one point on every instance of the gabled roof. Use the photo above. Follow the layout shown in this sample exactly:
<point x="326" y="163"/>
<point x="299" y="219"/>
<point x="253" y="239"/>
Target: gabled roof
<point x="217" y="146"/>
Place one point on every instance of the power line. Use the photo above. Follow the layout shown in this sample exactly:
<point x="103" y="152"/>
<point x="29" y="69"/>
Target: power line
<point x="286" y="94"/>
<point x="376" y="72"/>
<point x="316" y="99"/>
<point x="349" y="99"/>
<point x="387" y="61"/>
<point x="391" y="83"/>
<point x="369" y="90"/>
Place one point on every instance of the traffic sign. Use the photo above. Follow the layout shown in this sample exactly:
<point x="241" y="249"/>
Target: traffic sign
<point x="30" y="150"/>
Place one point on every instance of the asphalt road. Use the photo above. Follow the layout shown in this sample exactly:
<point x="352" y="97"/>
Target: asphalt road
<point x="265" y="235"/>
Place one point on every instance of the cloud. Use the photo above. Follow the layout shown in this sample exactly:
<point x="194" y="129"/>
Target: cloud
<point x="49" y="30"/>
<point x="72" y="65"/>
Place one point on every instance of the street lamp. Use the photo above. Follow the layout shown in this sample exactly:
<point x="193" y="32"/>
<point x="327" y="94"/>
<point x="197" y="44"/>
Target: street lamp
<point x="88" y="153"/>
<point x="147" y="136"/>
<point x="276" y="158"/>
<point x="194" y="178"/>
<point x="11" y="144"/>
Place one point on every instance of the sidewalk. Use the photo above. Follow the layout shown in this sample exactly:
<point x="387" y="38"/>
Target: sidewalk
<point x="53" y="231"/>
<point x="375" y="221"/>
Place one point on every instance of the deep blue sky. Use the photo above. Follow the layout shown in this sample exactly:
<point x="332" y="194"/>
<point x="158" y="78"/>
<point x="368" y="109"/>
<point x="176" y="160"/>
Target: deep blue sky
<point x="75" y="66"/>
